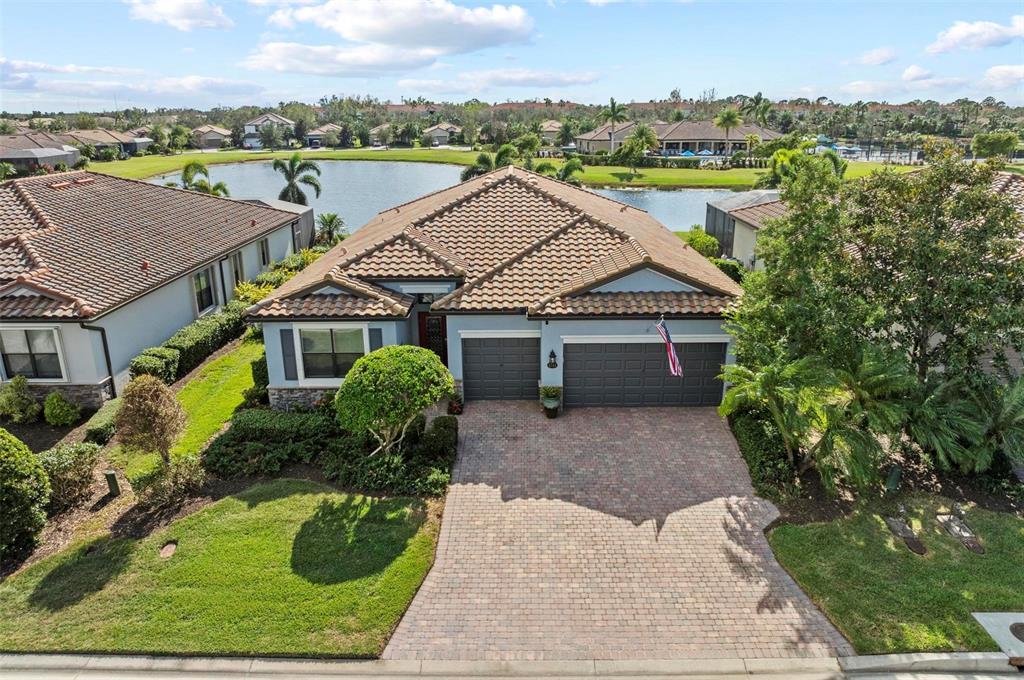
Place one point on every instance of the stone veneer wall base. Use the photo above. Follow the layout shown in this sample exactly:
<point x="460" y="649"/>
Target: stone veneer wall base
<point x="89" y="397"/>
<point x="297" y="398"/>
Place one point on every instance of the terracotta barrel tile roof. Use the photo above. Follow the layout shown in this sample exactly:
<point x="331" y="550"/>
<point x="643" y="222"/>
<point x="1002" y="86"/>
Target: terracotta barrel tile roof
<point x="515" y="239"/>
<point x="638" y="304"/>
<point x="756" y="215"/>
<point x="104" y="241"/>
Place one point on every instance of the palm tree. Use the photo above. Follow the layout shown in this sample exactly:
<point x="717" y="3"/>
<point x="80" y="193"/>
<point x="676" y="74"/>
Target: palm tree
<point x="727" y="119"/>
<point x="484" y="164"/>
<point x="643" y="137"/>
<point x="7" y="170"/>
<point x="196" y="177"/>
<point x="294" y="170"/>
<point x="752" y="140"/>
<point x="756" y="107"/>
<point x="613" y="113"/>
<point x="566" y="173"/>
<point x="330" y="229"/>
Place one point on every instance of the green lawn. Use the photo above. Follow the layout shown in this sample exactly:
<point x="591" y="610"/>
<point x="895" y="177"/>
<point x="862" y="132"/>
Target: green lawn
<point x="665" y="178"/>
<point x="888" y="600"/>
<point x="209" y="400"/>
<point x="285" y="568"/>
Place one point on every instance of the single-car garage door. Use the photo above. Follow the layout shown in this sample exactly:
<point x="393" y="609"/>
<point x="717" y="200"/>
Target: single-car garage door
<point x="636" y="374"/>
<point x="500" y="368"/>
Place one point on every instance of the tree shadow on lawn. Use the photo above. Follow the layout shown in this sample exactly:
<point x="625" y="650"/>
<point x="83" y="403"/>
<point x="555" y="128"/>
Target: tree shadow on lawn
<point x="626" y="176"/>
<point x="86" y="571"/>
<point x="354" y="537"/>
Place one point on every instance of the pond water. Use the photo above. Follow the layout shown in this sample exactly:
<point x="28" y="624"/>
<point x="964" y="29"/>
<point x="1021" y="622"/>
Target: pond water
<point x="358" y="190"/>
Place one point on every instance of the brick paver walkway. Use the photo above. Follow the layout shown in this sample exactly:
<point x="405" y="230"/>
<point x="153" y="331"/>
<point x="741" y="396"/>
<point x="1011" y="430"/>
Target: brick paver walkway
<point x="605" y="534"/>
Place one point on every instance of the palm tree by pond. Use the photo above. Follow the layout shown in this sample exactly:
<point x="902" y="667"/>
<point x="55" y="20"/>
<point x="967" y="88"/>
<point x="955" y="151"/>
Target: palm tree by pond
<point x="330" y="229"/>
<point x="565" y="173"/>
<point x="613" y="113"/>
<point x="727" y="119"/>
<point x="196" y="177"/>
<point x="297" y="171"/>
<point x="485" y="162"/>
<point x="7" y="170"/>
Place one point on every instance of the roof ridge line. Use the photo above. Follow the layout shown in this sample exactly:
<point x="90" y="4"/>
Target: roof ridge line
<point x="622" y="206"/>
<point x="359" y="254"/>
<point x="426" y="244"/>
<point x="484" y="186"/>
<point x="33" y="208"/>
<point x="645" y="259"/>
<point x="504" y="264"/>
<point x="23" y="280"/>
<point x="432" y="193"/>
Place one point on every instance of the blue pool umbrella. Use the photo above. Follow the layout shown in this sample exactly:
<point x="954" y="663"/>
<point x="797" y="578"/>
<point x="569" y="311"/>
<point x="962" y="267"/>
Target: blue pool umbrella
<point x="706" y="152"/>
<point x="856" y="148"/>
<point x="687" y="153"/>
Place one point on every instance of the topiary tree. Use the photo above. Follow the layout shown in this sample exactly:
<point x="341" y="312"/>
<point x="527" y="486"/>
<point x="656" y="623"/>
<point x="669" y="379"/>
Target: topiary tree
<point x="386" y="389"/>
<point x="25" y="491"/>
<point x="150" y="417"/>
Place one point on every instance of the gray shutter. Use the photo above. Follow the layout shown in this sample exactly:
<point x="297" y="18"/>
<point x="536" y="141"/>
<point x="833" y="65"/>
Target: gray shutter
<point x="376" y="339"/>
<point x="291" y="372"/>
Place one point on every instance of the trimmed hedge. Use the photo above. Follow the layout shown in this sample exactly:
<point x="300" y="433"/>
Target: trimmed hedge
<point x="677" y="161"/>
<point x="99" y="429"/>
<point x="733" y="269"/>
<point x="262" y="441"/>
<point x="206" y="335"/>
<point x="764" y="452"/>
<point x="161" y="362"/>
<point x="25" y="491"/>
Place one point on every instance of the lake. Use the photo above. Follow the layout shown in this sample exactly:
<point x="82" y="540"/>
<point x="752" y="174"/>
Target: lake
<point x="358" y="190"/>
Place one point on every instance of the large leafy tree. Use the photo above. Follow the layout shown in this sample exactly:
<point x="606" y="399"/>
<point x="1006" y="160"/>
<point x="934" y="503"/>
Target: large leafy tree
<point x="297" y="171"/>
<point x="271" y="136"/>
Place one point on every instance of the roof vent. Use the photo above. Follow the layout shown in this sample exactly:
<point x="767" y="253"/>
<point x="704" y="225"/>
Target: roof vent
<point x="85" y="180"/>
<point x="60" y="185"/>
<point x="145" y="265"/>
<point x="252" y="223"/>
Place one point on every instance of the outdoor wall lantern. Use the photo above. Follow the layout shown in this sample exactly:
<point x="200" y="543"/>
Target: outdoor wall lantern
<point x="552" y="360"/>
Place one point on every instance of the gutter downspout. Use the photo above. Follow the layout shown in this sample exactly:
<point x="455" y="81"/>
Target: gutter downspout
<point x="106" y="353"/>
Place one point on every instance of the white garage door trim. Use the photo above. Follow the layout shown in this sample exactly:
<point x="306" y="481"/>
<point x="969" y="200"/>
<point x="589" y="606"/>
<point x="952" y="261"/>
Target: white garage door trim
<point x="677" y="339"/>
<point x="499" y="334"/>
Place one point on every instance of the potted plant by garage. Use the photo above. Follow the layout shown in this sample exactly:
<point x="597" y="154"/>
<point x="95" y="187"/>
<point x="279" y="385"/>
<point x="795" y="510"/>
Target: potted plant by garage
<point x="455" y="404"/>
<point x="551" y="399"/>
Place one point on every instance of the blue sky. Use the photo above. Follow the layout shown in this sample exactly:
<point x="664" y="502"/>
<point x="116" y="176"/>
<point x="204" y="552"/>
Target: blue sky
<point x="95" y="55"/>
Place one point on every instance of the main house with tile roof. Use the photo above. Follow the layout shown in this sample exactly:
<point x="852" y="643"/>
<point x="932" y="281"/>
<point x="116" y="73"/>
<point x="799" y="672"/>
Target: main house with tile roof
<point x="94" y="269"/>
<point x="515" y="280"/>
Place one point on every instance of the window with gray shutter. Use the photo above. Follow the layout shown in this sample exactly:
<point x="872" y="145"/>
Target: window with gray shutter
<point x="291" y="371"/>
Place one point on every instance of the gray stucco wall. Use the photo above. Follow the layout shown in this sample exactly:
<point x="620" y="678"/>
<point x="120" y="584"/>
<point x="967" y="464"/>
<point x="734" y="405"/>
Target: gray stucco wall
<point x="646" y="280"/>
<point x="481" y="322"/>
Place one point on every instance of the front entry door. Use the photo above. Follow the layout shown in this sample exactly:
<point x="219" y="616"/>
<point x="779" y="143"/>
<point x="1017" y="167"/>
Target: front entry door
<point x="434" y="334"/>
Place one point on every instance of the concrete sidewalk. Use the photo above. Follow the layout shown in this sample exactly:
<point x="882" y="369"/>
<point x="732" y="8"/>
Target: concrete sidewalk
<point x="899" y="667"/>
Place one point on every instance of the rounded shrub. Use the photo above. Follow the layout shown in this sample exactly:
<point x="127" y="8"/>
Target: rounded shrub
<point x="150" y="418"/>
<point x="386" y="389"/>
<point x="17" y="403"/>
<point x="60" y="412"/>
<point x="25" y="491"/>
<point x="69" y="469"/>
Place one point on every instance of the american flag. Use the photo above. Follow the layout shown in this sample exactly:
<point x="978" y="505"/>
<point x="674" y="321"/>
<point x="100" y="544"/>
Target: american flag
<point x="674" y="367"/>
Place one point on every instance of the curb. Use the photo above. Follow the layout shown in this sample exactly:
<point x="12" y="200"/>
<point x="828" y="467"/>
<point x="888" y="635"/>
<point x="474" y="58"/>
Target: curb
<point x="955" y="662"/>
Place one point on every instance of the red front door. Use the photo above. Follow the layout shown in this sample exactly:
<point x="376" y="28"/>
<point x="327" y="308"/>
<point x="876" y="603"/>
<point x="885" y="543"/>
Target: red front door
<point x="434" y="334"/>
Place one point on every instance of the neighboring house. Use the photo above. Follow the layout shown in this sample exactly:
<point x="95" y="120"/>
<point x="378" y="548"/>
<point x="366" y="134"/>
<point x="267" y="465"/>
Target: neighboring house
<point x="377" y="134"/>
<point x="735" y="220"/>
<point x="251" y="136"/>
<point x="515" y="280"/>
<point x="315" y="137"/>
<point x="141" y="131"/>
<point x="687" y="137"/>
<point x="442" y="133"/>
<point x="122" y="142"/>
<point x="30" y="151"/>
<point x="549" y="130"/>
<point x="210" y="137"/>
<point x="94" y="269"/>
<point x="304" y="230"/>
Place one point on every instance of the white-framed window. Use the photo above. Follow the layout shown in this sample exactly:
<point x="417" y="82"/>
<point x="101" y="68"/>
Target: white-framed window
<point x="264" y="248"/>
<point x="326" y="352"/>
<point x="32" y="352"/>
<point x="202" y="287"/>
<point x="237" y="268"/>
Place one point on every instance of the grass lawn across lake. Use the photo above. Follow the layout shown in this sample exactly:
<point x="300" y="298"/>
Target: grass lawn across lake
<point x="887" y="599"/>
<point x="664" y="178"/>
<point x="209" y="399"/>
<point x="286" y="568"/>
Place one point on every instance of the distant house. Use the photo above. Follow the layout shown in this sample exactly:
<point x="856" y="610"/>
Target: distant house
<point x="315" y="137"/>
<point x="94" y="269"/>
<point x="442" y="133"/>
<point x="688" y="137"/>
<point x="141" y="131"/>
<point x="251" y="137"/>
<point x="736" y="219"/>
<point x="549" y="130"/>
<point x="377" y="134"/>
<point x="29" y="151"/>
<point x="210" y="136"/>
<point x="122" y="142"/>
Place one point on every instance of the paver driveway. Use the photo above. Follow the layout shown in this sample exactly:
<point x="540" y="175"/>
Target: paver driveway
<point x="605" y="534"/>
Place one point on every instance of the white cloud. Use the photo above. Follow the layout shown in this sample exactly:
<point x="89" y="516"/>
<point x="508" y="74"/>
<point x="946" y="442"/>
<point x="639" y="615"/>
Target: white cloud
<point x="184" y="15"/>
<point x="919" y="81"/>
<point x="434" y="24"/>
<point x="915" y="72"/>
<point x="164" y="89"/>
<point x="1004" y="77"/>
<point x="977" y="35"/>
<point x="18" y="66"/>
<point x="333" y="60"/>
<point x="480" y="81"/>
<point x="875" y="57"/>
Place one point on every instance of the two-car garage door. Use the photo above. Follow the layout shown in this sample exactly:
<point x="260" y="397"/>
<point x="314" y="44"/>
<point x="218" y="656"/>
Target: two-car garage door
<point x="636" y="374"/>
